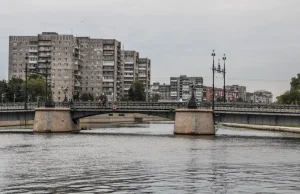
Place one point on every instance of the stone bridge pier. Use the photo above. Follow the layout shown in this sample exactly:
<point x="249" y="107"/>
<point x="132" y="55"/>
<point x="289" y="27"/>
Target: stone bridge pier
<point x="194" y="122"/>
<point x="54" y="120"/>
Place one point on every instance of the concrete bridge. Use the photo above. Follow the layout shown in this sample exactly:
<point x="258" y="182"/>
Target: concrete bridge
<point x="244" y="113"/>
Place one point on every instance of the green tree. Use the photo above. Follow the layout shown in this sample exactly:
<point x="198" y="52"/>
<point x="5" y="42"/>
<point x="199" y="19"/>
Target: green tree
<point x="240" y="99"/>
<point x="155" y="98"/>
<point x="15" y="91"/>
<point x="137" y="92"/>
<point x="37" y="88"/>
<point x="103" y="99"/>
<point x="3" y="90"/>
<point x="87" y="97"/>
<point x="291" y="96"/>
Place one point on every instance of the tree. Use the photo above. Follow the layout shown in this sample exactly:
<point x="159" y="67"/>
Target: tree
<point x="3" y="90"/>
<point x="155" y="98"/>
<point x="137" y="92"/>
<point x="15" y="91"/>
<point x="87" y="97"/>
<point x="291" y="96"/>
<point x="36" y="88"/>
<point x="103" y="99"/>
<point x="240" y="99"/>
<point x="220" y="99"/>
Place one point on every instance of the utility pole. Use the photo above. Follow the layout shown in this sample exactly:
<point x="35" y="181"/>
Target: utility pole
<point x="26" y="73"/>
<point x="213" y="85"/>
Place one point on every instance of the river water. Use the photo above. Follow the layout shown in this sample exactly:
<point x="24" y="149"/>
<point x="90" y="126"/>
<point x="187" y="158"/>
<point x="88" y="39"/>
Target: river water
<point x="148" y="158"/>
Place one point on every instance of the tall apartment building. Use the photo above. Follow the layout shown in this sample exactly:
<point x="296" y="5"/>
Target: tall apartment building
<point x="101" y="69"/>
<point x="144" y="74"/>
<point x="180" y="87"/>
<point x="82" y="64"/>
<point x="130" y="69"/>
<point x="49" y="49"/>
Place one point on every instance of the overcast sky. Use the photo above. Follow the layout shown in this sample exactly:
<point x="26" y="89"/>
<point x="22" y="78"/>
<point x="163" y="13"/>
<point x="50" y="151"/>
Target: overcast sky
<point x="261" y="38"/>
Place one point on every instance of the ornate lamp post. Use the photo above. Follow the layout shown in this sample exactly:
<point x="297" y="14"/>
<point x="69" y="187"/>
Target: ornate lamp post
<point x="224" y="72"/>
<point x="218" y="70"/>
<point x="213" y="84"/>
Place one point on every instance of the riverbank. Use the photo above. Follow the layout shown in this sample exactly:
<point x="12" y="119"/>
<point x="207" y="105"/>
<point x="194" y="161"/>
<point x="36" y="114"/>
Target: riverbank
<point x="263" y="127"/>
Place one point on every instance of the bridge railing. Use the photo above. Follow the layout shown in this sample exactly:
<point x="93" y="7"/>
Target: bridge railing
<point x="234" y="107"/>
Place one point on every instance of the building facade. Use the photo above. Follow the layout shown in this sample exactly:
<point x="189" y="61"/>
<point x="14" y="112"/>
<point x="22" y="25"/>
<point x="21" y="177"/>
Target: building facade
<point x="49" y="54"/>
<point x="262" y="96"/>
<point x="131" y="69"/>
<point x="82" y="64"/>
<point x="233" y="93"/>
<point x="144" y="74"/>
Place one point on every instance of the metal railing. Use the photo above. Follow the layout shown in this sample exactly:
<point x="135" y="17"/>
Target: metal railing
<point x="227" y="107"/>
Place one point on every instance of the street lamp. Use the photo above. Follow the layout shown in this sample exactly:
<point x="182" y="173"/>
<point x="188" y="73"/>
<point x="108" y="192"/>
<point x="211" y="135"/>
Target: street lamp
<point x="218" y="70"/>
<point x="224" y="72"/>
<point x="213" y="85"/>
<point x="46" y="73"/>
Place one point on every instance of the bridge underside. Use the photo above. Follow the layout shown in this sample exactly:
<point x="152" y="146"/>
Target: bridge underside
<point x="81" y="114"/>
<point x="259" y="119"/>
<point x="15" y="118"/>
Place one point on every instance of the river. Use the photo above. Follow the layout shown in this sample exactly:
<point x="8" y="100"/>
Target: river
<point x="148" y="158"/>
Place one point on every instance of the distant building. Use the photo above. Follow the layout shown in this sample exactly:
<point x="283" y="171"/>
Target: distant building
<point x="144" y="74"/>
<point x="259" y="96"/>
<point x="180" y="88"/>
<point x="164" y="92"/>
<point x="233" y="93"/>
<point x="262" y="96"/>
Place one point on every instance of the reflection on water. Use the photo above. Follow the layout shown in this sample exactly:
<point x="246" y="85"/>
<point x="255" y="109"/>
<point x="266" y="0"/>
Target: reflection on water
<point x="148" y="158"/>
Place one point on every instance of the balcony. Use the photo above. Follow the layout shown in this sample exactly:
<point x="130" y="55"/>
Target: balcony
<point x="44" y="50"/>
<point x="33" y="51"/>
<point x="32" y="62"/>
<point x="111" y="48"/>
<point x="108" y="63"/>
<point x="128" y="62"/>
<point x="108" y="80"/>
<point x="46" y="43"/>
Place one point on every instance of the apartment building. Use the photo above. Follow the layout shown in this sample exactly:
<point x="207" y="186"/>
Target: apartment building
<point x="262" y="96"/>
<point x="233" y="93"/>
<point x="48" y="52"/>
<point x="130" y="69"/>
<point x="180" y="87"/>
<point x="144" y="74"/>
<point x="82" y="64"/>
<point x="101" y="71"/>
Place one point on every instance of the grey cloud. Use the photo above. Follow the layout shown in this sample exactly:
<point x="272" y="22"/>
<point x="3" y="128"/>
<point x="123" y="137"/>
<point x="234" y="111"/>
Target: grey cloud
<point x="260" y="37"/>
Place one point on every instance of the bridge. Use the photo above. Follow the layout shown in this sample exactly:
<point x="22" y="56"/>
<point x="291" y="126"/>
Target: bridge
<point x="244" y="113"/>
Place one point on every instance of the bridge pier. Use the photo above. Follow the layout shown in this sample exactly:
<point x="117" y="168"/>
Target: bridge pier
<point x="53" y="120"/>
<point x="194" y="122"/>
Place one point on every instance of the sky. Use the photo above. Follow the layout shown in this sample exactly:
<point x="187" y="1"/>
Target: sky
<point x="259" y="37"/>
